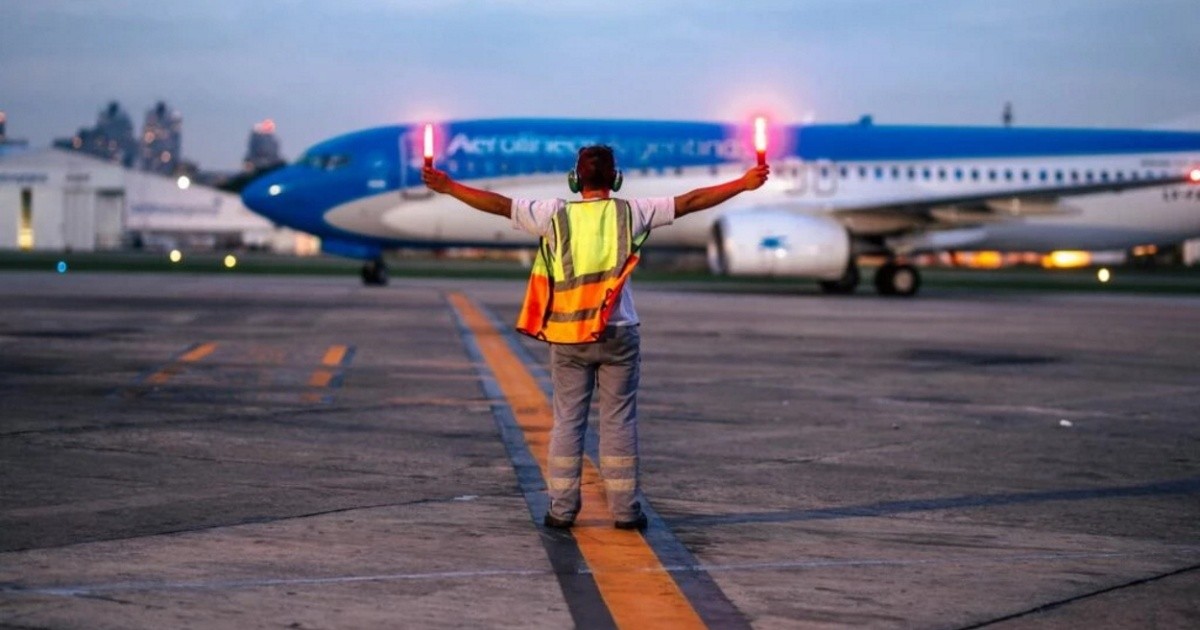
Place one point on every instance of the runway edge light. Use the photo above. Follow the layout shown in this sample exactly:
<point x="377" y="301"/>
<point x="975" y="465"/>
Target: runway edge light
<point x="428" y="145"/>
<point x="760" y="139"/>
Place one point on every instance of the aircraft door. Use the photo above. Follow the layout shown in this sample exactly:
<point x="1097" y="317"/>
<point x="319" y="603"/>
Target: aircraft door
<point x="794" y="173"/>
<point x="825" y="178"/>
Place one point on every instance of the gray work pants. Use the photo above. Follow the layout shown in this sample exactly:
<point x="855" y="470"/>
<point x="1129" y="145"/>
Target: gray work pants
<point x="612" y="366"/>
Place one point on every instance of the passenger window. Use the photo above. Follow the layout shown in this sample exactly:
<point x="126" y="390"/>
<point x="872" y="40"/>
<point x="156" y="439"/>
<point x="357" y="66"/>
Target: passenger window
<point x="1090" y="176"/>
<point x="1058" y="176"/>
<point x="878" y="172"/>
<point x="1024" y="175"/>
<point x="862" y="172"/>
<point x="925" y="173"/>
<point x="844" y="172"/>
<point x="1043" y="175"/>
<point x="992" y="175"/>
<point x="958" y="174"/>
<point x="1008" y="175"/>
<point x="1074" y="176"/>
<point x="895" y="172"/>
<point x="912" y="173"/>
<point x="974" y="174"/>
<point x="1103" y="176"/>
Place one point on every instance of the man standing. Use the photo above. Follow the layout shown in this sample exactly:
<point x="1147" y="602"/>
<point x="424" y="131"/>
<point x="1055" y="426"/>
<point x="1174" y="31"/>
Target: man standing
<point x="580" y="302"/>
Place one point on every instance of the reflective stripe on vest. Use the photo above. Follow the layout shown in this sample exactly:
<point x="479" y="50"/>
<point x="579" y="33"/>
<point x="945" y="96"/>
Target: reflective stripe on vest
<point x="581" y="266"/>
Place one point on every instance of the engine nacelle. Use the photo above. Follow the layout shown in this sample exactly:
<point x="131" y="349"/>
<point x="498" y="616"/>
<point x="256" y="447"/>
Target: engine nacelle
<point x="778" y="243"/>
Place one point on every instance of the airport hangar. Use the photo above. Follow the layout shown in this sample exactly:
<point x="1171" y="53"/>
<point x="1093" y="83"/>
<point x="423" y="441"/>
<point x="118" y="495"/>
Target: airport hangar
<point x="56" y="200"/>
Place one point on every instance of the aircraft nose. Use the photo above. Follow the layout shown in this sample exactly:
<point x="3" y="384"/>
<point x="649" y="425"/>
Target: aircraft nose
<point x="263" y="195"/>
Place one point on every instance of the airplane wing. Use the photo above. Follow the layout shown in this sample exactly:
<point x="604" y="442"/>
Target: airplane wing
<point x="903" y="213"/>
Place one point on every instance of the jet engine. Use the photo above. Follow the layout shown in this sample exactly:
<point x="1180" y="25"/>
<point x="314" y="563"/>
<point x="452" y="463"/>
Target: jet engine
<point x="778" y="243"/>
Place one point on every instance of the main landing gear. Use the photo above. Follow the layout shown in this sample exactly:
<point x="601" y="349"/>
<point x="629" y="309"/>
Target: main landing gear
<point x="897" y="279"/>
<point x="844" y="285"/>
<point x="890" y="279"/>
<point x="374" y="273"/>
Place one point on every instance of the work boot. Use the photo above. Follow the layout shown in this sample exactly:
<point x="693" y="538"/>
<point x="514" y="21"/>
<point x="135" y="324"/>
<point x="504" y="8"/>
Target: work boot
<point x="638" y="523"/>
<point x="556" y="523"/>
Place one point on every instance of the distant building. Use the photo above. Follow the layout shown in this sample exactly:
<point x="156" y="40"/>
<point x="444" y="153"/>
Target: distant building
<point x="262" y="150"/>
<point x="110" y="139"/>
<point x="162" y="140"/>
<point x="55" y="200"/>
<point x="9" y="145"/>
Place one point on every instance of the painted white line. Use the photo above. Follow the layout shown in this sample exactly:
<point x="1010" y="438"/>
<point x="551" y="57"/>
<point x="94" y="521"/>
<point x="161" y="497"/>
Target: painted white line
<point x="80" y="590"/>
<point x="783" y="565"/>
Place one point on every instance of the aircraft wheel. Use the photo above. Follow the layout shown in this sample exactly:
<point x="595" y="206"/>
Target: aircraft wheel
<point x="893" y="279"/>
<point x="883" y="279"/>
<point x="374" y="273"/>
<point x="844" y="285"/>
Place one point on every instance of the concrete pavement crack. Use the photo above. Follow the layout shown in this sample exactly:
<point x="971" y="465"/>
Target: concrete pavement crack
<point x="1070" y="600"/>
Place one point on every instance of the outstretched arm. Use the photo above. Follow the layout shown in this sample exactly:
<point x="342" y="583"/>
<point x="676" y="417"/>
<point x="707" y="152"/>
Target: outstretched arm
<point x="485" y="200"/>
<point x="705" y="198"/>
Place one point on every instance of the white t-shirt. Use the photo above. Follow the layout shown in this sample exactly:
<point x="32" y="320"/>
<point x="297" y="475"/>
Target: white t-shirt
<point x="534" y="216"/>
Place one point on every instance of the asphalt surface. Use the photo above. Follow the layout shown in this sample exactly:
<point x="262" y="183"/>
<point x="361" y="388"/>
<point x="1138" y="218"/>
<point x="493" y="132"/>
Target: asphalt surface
<point x="294" y="452"/>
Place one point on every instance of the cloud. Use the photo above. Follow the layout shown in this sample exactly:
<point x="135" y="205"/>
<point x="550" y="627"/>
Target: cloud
<point x="321" y="67"/>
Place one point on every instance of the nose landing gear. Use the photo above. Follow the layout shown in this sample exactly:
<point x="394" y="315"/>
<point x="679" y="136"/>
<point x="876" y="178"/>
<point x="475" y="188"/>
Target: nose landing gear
<point x="374" y="273"/>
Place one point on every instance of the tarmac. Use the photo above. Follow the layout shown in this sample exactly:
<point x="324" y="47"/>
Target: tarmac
<point x="231" y="451"/>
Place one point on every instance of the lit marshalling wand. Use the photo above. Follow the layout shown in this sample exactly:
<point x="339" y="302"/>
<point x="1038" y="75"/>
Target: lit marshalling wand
<point x="760" y="139"/>
<point x="428" y="146"/>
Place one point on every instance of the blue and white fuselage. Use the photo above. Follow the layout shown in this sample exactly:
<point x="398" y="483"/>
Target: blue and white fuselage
<point x="836" y="191"/>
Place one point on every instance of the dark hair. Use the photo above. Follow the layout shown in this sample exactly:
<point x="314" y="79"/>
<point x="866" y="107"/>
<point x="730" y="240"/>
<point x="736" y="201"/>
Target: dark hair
<point x="595" y="167"/>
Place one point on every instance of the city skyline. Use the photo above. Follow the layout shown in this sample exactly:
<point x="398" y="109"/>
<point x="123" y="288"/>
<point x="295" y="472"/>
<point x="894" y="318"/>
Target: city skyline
<point x="157" y="147"/>
<point x="318" y="69"/>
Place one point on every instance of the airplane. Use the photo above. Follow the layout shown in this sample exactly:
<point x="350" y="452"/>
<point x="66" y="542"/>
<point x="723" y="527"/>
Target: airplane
<point x="837" y="191"/>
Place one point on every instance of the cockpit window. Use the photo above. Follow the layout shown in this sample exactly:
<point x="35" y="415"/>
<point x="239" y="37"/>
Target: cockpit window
<point x="324" y="161"/>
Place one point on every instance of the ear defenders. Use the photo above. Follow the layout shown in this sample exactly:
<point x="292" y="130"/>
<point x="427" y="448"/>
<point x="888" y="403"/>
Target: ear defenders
<point x="573" y="181"/>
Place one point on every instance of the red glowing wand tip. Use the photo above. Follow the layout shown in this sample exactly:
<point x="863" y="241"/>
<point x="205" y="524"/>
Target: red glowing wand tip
<point x="760" y="139"/>
<point x="428" y="146"/>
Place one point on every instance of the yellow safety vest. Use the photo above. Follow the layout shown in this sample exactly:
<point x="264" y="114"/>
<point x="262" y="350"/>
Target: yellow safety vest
<point x="581" y="267"/>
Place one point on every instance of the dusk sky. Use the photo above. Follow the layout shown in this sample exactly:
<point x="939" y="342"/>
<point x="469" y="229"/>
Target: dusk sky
<point x="322" y="67"/>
